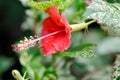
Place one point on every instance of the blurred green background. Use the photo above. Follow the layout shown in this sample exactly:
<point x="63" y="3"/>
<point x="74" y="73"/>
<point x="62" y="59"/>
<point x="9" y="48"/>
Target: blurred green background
<point x="12" y="15"/>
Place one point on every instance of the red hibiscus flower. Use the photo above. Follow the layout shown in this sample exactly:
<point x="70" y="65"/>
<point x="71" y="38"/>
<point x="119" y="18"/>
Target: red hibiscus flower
<point x="55" y="23"/>
<point x="55" y="35"/>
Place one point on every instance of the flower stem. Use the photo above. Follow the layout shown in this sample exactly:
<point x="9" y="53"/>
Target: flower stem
<point x="53" y="61"/>
<point x="90" y="22"/>
<point x="35" y="25"/>
<point x="76" y="27"/>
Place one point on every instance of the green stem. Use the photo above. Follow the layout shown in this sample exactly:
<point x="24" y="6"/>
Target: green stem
<point x="53" y="61"/>
<point x="77" y="27"/>
<point x="35" y="25"/>
<point x="90" y="22"/>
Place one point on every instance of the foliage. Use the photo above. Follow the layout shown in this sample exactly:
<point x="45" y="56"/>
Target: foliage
<point x="92" y="50"/>
<point x="116" y="68"/>
<point x="40" y="68"/>
<point x="85" y="51"/>
<point x="105" y="13"/>
<point x="61" y="4"/>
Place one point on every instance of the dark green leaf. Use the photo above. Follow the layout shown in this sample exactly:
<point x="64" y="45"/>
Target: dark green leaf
<point x="50" y="74"/>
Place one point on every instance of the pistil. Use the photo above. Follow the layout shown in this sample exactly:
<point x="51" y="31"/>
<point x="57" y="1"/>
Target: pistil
<point x="31" y="42"/>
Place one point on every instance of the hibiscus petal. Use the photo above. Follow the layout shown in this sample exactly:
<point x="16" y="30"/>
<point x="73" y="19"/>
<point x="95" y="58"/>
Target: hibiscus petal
<point x="54" y="15"/>
<point x="53" y="12"/>
<point x="65" y="22"/>
<point x="54" y="43"/>
<point x="62" y="42"/>
<point x="48" y="45"/>
<point x="48" y="49"/>
<point x="49" y="26"/>
<point x="55" y="23"/>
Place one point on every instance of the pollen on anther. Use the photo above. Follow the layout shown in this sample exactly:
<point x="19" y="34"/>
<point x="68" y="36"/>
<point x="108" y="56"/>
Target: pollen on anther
<point x="24" y="44"/>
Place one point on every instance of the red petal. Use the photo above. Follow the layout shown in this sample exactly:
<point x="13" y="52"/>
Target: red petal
<point x="54" y="15"/>
<point x="48" y="45"/>
<point x="59" y="41"/>
<point x="62" y="41"/>
<point x="50" y="26"/>
<point x="48" y="49"/>
<point x="54" y="43"/>
<point x="65" y="22"/>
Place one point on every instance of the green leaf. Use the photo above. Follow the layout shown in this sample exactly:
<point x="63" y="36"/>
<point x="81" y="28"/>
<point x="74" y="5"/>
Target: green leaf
<point x="40" y="5"/>
<point x="32" y="64"/>
<point x="116" y="68"/>
<point x="61" y="4"/>
<point x="110" y="30"/>
<point x="113" y="1"/>
<point x="86" y="51"/>
<point x="51" y="74"/>
<point x="104" y="12"/>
